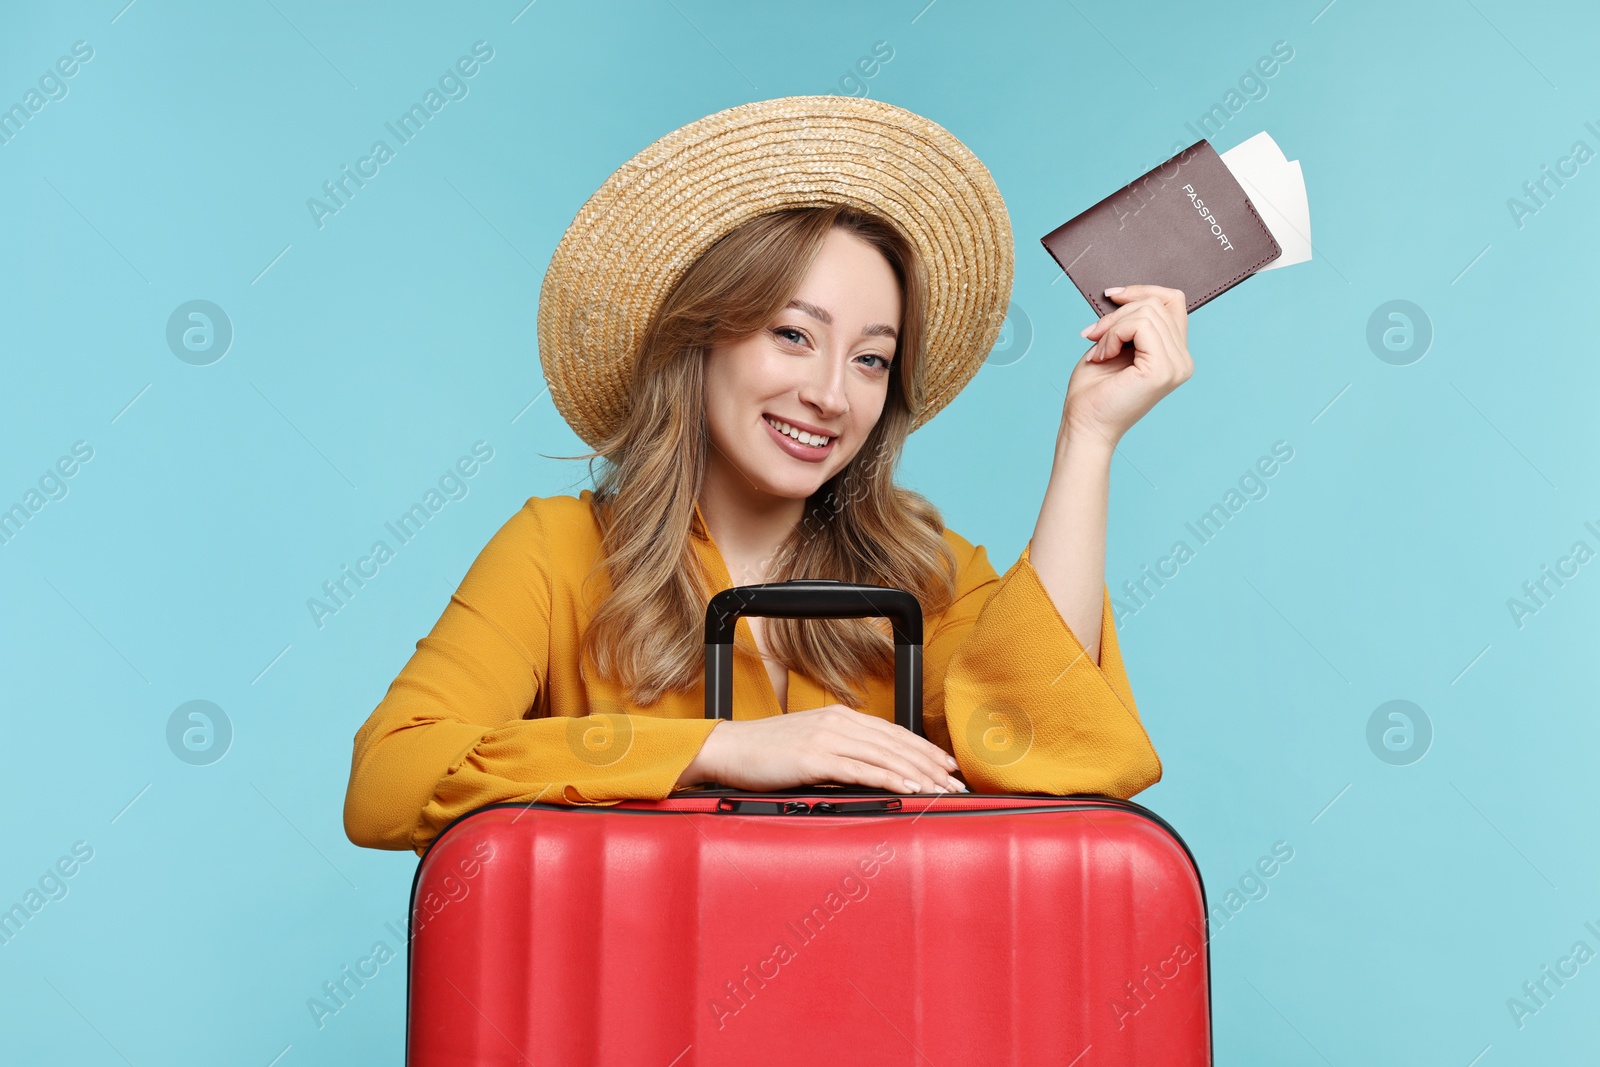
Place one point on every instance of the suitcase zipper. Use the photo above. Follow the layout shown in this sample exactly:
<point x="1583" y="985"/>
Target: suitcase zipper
<point x="762" y="807"/>
<point x="846" y="807"/>
<point x="800" y="807"/>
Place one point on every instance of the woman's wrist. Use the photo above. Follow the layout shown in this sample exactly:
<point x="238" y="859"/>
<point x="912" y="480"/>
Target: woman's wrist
<point x="699" y="769"/>
<point x="1085" y="445"/>
<point x="1079" y="483"/>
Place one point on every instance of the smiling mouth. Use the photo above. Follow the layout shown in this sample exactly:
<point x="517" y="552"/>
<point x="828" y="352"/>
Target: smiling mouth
<point x="809" y="439"/>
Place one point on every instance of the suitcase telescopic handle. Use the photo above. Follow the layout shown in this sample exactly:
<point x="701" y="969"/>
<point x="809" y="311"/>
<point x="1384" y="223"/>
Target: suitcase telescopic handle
<point x="816" y="598"/>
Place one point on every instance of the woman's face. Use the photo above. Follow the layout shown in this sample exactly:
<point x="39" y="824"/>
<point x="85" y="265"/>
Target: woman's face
<point x="819" y="366"/>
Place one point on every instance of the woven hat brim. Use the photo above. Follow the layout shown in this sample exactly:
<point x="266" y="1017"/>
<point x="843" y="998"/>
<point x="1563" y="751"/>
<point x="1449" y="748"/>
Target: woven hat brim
<point x="633" y="240"/>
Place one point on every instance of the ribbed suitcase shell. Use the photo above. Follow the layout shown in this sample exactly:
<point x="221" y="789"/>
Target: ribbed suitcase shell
<point x="992" y="929"/>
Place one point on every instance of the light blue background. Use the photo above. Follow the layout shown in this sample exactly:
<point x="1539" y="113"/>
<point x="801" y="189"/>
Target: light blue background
<point x="371" y="353"/>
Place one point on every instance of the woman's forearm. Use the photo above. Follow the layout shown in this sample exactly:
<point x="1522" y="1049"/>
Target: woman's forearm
<point x="1069" y="542"/>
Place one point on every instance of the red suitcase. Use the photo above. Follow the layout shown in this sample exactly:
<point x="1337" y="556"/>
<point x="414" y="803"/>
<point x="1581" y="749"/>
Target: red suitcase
<point x="826" y="925"/>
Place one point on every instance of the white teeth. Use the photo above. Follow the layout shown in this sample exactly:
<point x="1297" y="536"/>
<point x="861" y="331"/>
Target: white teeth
<point x="814" y="440"/>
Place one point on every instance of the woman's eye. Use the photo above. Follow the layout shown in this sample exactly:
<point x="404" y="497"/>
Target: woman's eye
<point x="880" y="359"/>
<point x="789" y="333"/>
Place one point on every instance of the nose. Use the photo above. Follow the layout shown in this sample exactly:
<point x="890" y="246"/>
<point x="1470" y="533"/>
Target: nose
<point x="823" y="389"/>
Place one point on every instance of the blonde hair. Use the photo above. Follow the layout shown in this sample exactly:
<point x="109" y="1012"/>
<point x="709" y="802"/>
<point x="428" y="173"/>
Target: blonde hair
<point x="648" y="633"/>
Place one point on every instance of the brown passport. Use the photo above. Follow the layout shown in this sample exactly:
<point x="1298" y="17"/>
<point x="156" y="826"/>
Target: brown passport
<point x="1186" y="224"/>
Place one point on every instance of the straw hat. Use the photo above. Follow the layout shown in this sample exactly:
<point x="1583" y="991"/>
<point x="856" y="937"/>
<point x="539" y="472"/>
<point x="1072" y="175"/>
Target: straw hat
<point x="647" y="223"/>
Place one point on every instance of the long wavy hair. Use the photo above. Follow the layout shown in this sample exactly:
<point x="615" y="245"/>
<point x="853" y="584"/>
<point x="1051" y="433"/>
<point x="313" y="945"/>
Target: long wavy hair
<point x="647" y="635"/>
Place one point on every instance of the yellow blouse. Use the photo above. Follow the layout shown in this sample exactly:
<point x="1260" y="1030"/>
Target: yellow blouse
<point x="491" y="706"/>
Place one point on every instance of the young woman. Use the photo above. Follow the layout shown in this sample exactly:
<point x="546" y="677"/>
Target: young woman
<point x="745" y="322"/>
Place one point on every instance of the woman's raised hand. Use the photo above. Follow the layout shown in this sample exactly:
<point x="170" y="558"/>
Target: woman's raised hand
<point x="1109" y="391"/>
<point x="828" y="744"/>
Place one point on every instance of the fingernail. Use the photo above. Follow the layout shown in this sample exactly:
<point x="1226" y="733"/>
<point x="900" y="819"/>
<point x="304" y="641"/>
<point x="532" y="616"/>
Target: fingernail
<point x="1085" y="331"/>
<point x="1114" y="290"/>
<point x="913" y="786"/>
<point x="957" y="786"/>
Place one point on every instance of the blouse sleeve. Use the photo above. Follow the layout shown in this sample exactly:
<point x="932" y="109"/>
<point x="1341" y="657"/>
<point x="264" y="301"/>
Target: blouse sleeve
<point x="449" y="735"/>
<point x="1023" y="707"/>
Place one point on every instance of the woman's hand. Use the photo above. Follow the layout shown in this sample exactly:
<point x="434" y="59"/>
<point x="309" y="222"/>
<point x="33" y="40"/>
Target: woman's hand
<point x="1109" y="391"/>
<point x="828" y="744"/>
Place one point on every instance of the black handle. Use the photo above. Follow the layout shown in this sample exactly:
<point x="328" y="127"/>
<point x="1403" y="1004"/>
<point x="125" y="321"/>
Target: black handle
<point x="816" y="598"/>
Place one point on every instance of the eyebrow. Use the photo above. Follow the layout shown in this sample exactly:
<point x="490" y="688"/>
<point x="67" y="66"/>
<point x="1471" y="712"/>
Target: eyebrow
<point x="877" y="329"/>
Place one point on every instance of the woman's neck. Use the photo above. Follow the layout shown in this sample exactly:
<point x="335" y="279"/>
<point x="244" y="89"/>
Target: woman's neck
<point x="747" y="527"/>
